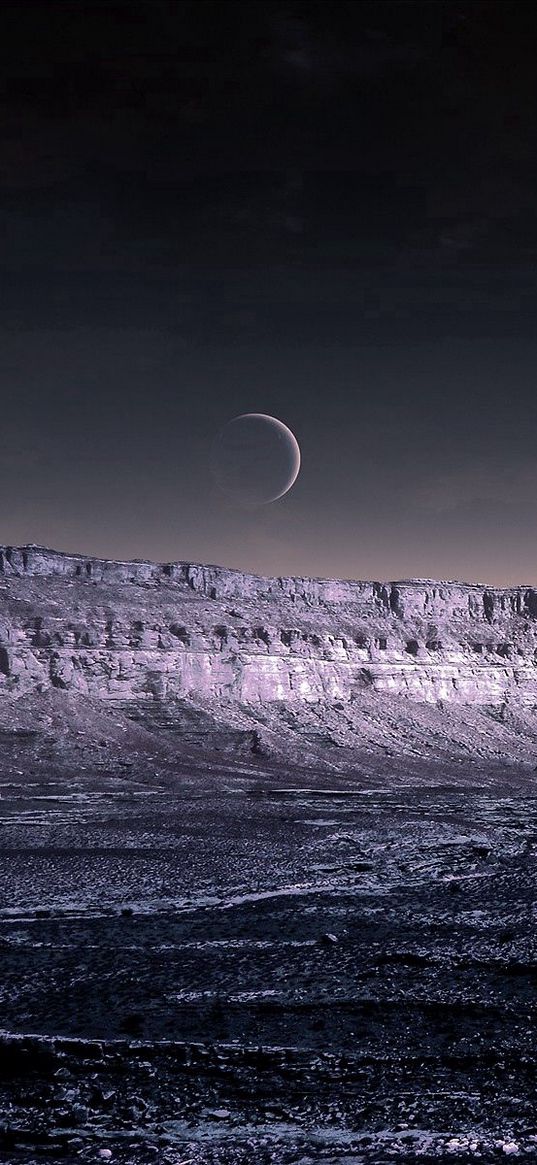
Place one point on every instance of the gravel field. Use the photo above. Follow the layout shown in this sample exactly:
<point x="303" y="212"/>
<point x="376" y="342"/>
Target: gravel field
<point x="267" y="967"/>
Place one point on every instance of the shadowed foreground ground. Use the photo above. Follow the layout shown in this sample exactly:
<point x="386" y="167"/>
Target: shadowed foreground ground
<point x="263" y="966"/>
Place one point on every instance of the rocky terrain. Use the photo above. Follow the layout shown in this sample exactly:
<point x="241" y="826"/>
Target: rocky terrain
<point x="267" y="867"/>
<point x="173" y="658"/>
<point x="245" y="966"/>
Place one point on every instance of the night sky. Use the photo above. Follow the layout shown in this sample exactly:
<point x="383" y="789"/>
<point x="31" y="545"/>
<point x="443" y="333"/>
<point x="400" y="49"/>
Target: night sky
<point x="322" y="211"/>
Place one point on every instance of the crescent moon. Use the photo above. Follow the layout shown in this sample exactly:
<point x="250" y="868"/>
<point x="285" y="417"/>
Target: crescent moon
<point x="255" y="459"/>
<point x="289" y="436"/>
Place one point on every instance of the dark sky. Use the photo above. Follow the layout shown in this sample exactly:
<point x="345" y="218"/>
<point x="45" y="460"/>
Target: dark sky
<point x="322" y="211"/>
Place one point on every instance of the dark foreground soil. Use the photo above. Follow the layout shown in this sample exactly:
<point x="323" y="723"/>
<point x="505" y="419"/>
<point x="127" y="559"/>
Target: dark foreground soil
<point x="254" y="967"/>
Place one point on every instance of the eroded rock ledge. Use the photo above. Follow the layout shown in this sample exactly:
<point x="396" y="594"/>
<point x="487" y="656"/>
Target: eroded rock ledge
<point x="139" y="631"/>
<point x="408" y="597"/>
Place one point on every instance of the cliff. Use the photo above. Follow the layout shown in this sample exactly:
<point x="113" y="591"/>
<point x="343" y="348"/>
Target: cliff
<point x="284" y="665"/>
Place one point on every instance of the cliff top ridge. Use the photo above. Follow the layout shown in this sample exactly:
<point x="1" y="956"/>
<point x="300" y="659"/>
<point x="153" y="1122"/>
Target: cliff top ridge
<point x="44" y="561"/>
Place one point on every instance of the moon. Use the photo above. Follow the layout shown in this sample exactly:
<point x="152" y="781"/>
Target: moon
<point x="255" y="459"/>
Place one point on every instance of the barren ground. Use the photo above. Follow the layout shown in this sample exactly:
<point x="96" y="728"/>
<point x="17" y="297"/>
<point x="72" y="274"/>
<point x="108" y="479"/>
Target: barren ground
<point x="246" y="964"/>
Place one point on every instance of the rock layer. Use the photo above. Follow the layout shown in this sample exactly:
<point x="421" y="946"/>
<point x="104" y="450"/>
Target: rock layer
<point x="112" y="629"/>
<point x="141" y="634"/>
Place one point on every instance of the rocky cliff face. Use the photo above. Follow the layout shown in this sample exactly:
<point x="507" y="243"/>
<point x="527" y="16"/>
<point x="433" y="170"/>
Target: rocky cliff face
<point x="139" y="629"/>
<point x="242" y="650"/>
